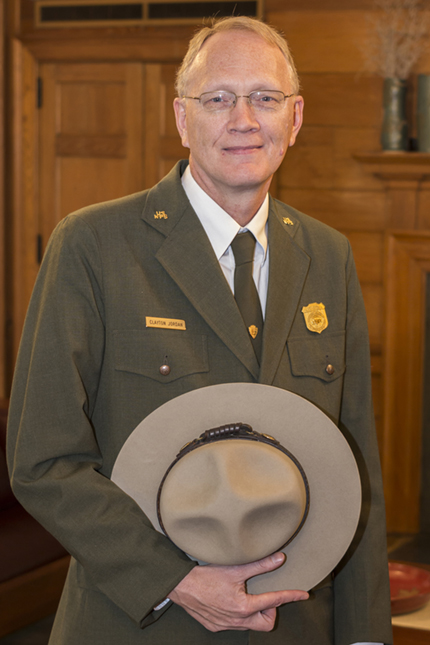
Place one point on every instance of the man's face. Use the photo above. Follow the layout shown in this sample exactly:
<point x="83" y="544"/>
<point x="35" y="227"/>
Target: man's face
<point x="237" y="150"/>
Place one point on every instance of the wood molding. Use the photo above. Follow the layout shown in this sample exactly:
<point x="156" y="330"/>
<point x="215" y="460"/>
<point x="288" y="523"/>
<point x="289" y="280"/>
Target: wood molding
<point x="407" y="263"/>
<point x="23" y="223"/>
<point x="73" y="145"/>
<point x="140" y="47"/>
<point x="402" y="173"/>
<point x="396" y="163"/>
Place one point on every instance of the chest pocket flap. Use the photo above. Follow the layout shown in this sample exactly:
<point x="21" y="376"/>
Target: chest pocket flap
<point x="320" y="355"/>
<point x="144" y="351"/>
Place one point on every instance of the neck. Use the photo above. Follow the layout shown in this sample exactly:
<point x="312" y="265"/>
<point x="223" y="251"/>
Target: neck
<point x="241" y="203"/>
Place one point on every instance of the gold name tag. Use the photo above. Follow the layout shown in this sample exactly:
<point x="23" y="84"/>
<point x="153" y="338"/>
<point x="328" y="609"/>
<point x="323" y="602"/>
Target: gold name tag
<point x="165" y="323"/>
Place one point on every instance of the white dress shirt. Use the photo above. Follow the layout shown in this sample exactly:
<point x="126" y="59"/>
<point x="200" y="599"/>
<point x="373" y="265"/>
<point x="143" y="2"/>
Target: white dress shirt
<point x="221" y="229"/>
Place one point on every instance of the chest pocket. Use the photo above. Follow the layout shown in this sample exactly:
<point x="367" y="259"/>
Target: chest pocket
<point x="144" y="351"/>
<point x="320" y="355"/>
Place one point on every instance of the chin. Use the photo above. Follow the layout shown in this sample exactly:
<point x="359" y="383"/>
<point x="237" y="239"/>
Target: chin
<point x="246" y="176"/>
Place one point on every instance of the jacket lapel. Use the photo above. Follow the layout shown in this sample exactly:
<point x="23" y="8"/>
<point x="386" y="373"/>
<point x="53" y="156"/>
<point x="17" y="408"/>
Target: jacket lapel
<point x="187" y="256"/>
<point x="288" y="269"/>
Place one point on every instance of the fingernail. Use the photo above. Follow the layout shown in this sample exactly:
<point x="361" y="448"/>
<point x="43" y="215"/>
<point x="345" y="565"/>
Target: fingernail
<point x="278" y="558"/>
<point x="304" y="596"/>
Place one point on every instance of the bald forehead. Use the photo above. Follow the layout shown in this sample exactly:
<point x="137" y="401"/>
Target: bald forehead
<point x="229" y="53"/>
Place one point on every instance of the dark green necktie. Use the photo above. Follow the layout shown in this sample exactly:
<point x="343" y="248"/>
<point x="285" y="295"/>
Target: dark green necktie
<point x="245" y="291"/>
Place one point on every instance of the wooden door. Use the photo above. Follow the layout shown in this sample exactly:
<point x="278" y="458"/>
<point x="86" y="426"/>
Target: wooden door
<point x="106" y="130"/>
<point x="90" y="137"/>
<point x="163" y="146"/>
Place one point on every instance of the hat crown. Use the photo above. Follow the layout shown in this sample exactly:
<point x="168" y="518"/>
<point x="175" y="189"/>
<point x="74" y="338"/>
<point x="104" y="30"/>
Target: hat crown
<point x="233" y="501"/>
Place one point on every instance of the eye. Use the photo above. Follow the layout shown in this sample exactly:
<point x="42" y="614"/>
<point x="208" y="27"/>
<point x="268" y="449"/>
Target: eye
<point x="266" y="97"/>
<point x="217" y="100"/>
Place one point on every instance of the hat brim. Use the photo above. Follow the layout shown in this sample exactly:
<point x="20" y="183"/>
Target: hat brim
<point x="320" y="447"/>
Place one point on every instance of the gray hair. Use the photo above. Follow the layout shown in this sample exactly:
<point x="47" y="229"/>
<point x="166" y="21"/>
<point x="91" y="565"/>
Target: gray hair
<point x="234" y="23"/>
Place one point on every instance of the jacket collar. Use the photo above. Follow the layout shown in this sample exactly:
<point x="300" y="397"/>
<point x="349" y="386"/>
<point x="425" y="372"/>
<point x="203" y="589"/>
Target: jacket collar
<point x="288" y="269"/>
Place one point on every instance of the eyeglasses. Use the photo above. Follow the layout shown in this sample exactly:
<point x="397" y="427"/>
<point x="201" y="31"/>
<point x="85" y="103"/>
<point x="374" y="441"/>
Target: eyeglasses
<point x="222" y="101"/>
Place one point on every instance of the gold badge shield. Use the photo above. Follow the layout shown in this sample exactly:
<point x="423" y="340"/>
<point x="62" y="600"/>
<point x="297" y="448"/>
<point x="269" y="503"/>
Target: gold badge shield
<point x="253" y="330"/>
<point x="315" y="317"/>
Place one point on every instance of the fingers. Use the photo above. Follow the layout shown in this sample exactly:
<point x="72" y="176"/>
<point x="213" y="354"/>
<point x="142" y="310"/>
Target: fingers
<point x="272" y="562"/>
<point x="216" y="596"/>
<point x="262" y="602"/>
<point x="261" y="621"/>
<point x="265" y="601"/>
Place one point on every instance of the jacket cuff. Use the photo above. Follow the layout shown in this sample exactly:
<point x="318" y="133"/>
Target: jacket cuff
<point x="154" y="615"/>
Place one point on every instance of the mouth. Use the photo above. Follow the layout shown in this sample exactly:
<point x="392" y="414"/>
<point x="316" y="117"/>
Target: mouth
<point x="241" y="150"/>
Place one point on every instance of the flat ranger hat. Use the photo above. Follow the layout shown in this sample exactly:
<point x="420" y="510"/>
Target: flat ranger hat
<point x="234" y="472"/>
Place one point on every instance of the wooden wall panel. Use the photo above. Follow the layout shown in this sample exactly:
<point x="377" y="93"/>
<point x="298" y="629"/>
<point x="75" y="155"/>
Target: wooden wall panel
<point x="377" y="391"/>
<point x="323" y="41"/>
<point x="342" y="209"/>
<point x="368" y="249"/>
<point x="349" y="173"/>
<point x="310" y="164"/>
<point x="342" y="100"/>
<point x="373" y="296"/>
<point x="424" y="210"/>
<point x="322" y="157"/>
<point x="329" y="38"/>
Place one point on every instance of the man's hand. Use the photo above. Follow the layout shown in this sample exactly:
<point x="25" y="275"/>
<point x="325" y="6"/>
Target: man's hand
<point x="216" y="596"/>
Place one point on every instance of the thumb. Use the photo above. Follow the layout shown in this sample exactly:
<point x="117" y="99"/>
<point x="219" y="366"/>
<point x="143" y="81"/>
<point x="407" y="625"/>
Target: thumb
<point x="270" y="563"/>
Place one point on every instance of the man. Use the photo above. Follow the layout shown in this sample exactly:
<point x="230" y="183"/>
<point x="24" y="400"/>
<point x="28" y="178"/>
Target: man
<point x="92" y="365"/>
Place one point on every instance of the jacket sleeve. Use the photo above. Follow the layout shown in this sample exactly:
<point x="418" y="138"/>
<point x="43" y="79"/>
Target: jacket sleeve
<point x="362" y="598"/>
<point x="54" y="453"/>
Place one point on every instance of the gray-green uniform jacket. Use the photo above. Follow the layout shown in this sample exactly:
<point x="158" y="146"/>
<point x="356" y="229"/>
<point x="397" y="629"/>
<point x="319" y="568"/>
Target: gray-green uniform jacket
<point x="88" y="373"/>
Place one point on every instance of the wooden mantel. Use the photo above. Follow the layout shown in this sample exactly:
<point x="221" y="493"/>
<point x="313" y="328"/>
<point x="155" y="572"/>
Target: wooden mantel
<point x="396" y="165"/>
<point x="402" y="172"/>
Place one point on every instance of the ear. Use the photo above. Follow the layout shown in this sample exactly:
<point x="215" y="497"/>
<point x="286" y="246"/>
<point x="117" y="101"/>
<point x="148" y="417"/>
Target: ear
<point x="181" y="120"/>
<point x="297" y="119"/>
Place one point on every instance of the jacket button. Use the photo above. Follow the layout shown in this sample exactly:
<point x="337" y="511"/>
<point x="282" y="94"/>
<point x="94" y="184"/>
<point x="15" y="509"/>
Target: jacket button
<point x="165" y="370"/>
<point x="329" y="369"/>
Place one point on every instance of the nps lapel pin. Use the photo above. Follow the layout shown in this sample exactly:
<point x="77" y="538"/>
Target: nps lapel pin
<point x="315" y="317"/>
<point x="287" y="220"/>
<point x="253" y="330"/>
<point x="160" y="215"/>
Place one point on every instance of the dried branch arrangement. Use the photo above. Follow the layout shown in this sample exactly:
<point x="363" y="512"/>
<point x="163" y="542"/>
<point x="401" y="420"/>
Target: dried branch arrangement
<point x="397" y="38"/>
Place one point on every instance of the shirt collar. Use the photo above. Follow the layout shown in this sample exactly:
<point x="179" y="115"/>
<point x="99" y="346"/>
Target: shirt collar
<point x="219" y="226"/>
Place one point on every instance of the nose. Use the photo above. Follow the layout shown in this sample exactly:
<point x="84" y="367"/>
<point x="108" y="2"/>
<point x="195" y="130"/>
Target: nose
<point x="242" y="116"/>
